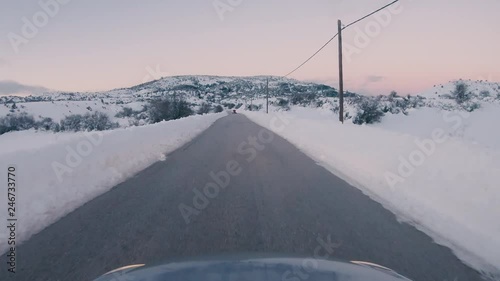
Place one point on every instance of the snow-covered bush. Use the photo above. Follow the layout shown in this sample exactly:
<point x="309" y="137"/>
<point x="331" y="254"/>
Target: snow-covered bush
<point x="125" y="112"/>
<point x="96" y="121"/>
<point x="48" y="124"/>
<point x="369" y="112"/>
<point x="167" y="109"/>
<point x="218" y="109"/>
<point x="485" y="94"/>
<point x="284" y="104"/>
<point x="229" y="105"/>
<point x="204" y="108"/>
<point x="461" y="93"/>
<point x="254" y="107"/>
<point x="16" y="122"/>
<point x="471" y="106"/>
<point x="303" y="98"/>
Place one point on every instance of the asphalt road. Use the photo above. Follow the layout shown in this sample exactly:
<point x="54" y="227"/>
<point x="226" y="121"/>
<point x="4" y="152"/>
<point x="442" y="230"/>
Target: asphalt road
<point x="278" y="202"/>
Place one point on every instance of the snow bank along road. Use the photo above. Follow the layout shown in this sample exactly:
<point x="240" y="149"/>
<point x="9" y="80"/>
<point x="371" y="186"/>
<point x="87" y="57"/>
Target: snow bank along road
<point x="235" y="188"/>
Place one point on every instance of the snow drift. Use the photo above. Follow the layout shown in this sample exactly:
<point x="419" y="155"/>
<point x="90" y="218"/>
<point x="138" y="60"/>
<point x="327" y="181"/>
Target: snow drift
<point x="441" y="175"/>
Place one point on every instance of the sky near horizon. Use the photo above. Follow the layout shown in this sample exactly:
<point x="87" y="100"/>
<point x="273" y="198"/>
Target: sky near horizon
<point x="89" y="45"/>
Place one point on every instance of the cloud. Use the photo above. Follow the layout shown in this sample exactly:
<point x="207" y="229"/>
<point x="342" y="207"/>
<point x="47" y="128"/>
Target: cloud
<point x="14" y="88"/>
<point x="374" y="79"/>
<point x="326" y="81"/>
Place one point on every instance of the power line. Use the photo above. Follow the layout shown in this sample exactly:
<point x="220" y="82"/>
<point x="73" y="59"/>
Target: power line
<point x="331" y="39"/>
<point x="370" y="14"/>
<point x="310" y="58"/>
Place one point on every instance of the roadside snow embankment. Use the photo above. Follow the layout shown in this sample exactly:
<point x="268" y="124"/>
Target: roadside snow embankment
<point x="57" y="173"/>
<point x="439" y="179"/>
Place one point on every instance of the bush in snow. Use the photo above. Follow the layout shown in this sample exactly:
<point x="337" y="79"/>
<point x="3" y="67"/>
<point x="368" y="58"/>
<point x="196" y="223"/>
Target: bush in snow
<point x="369" y="112"/>
<point x="471" y="106"/>
<point x="126" y="112"/>
<point x="167" y="109"/>
<point x="284" y="104"/>
<point x="204" y="108"/>
<point x="72" y="123"/>
<point x="96" y="121"/>
<point x="303" y="98"/>
<point x="48" y="124"/>
<point x="218" y="109"/>
<point x="229" y="105"/>
<point x="138" y="115"/>
<point x="16" y="122"/>
<point x="485" y="94"/>
<point x="461" y="93"/>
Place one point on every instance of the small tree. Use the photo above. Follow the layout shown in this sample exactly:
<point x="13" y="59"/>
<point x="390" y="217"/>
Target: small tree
<point x="16" y="122"/>
<point x="219" y="108"/>
<point x="461" y="93"/>
<point x="159" y="110"/>
<point x="97" y="121"/>
<point x="166" y="109"/>
<point x="71" y="123"/>
<point x="204" y="108"/>
<point x="369" y="113"/>
<point x="181" y="109"/>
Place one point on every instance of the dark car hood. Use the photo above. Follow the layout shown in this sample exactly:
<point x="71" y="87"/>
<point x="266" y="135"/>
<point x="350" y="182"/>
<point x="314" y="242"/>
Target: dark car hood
<point x="261" y="268"/>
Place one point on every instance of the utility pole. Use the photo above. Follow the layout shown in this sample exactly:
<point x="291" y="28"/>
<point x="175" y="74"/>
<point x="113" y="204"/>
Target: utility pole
<point x="341" y="76"/>
<point x="267" y="96"/>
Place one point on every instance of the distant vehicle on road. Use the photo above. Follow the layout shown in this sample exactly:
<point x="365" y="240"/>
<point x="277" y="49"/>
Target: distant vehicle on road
<point x="234" y="111"/>
<point x="259" y="268"/>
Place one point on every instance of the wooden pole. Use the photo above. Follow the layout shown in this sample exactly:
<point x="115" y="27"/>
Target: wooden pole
<point x="341" y="76"/>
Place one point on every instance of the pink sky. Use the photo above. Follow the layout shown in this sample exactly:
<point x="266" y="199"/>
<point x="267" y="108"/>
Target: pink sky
<point x="99" y="45"/>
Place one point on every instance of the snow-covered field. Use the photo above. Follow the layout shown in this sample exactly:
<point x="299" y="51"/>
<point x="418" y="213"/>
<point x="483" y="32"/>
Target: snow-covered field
<point x="58" y="172"/>
<point x="439" y="170"/>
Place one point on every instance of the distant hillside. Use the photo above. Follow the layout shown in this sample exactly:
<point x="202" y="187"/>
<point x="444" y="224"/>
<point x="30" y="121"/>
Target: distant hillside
<point x="128" y="106"/>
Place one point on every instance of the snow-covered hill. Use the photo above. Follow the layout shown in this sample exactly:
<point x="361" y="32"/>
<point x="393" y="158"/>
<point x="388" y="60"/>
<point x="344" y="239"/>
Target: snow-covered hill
<point x="242" y="92"/>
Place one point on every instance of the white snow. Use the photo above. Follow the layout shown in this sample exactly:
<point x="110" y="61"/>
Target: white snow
<point x="58" y="172"/>
<point x="449" y="189"/>
<point x="476" y="128"/>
